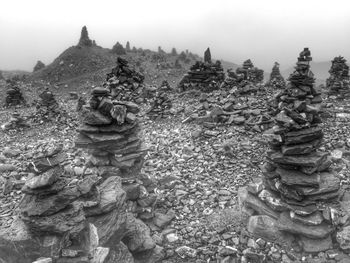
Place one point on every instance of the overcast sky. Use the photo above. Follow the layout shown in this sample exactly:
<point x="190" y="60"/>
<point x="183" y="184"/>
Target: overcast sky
<point x="262" y="30"/>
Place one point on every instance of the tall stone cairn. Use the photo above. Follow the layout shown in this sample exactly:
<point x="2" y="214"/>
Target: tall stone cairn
<point x="338" y="81"/>
<point x="276" y="79"/>
<point x="296" y="198"/>
<point x="84" y="40"/>
<point x="124" y="82"/>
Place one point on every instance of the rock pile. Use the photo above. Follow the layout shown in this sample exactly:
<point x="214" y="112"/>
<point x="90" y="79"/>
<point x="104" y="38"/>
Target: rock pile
<point x="161" y="104"/>
<point x="221" y="106"/>
<point x="15" y="122"/>
<point x="14" y="95"/>
<point x="124" y="82"/>
<point x="276" y="79"/>
<point x="47" y="108"/>
<point x="89" y="216"/>
<point x="295" y="198"/>
<point x="205" y="76"/>
<point x="338" y="82"/>
<point x="247" y="79"/>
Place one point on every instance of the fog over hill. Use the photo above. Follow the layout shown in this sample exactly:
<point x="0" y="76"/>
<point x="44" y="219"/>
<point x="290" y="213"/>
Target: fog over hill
<point x="264" y="31"/>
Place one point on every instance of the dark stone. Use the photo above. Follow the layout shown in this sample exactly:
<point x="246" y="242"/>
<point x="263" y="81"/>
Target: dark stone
<point x="285" y="223"/>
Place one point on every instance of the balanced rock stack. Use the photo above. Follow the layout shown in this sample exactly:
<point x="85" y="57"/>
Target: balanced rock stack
<point x="276" y="79"/>
<point x="124" y="82"/>
<point x="338" y="82"/>
<point x="47" y="108"/>
<point x="161" y="104"/>
<point x="110" y="132"/>
<point x="297" y="197"/>
<point x="205" y="76"/>
<point x="88" y="217"/>
<point x="14" y="95"/>
<point x="246" y="79"/>
<point x="251" y="73"/>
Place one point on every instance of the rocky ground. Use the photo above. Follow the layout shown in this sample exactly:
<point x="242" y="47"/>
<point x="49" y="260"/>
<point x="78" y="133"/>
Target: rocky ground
<point x="199" y="171"/>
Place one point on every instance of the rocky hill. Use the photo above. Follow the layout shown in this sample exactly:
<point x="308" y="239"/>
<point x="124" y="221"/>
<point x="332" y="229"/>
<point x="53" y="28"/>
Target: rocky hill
<point x="88" y="63"/>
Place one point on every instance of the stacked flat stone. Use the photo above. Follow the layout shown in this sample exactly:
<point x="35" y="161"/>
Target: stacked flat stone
<point x="14" y="95"/>
<point x="247" y="79"/>
<point x="47" y="107"/>
<point x="110" y="132"/>
<point x="276" y="79"/>
<point x="161" y="104"/>
<point x="251" y="73"/>
<point x="338" y="82"/>
<point x="298" y="194"/>
<point x="205" y="76"/>
<point x="124" y="82"/>
<point x="87" y="214"/>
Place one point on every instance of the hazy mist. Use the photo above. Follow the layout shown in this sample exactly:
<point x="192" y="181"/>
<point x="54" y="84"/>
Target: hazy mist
<point x="265" y="31"/>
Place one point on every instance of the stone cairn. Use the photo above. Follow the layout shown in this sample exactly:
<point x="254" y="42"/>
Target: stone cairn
<point x="89" y="216"/>
<point x="205" y="76"/>
<point x="296" y="200"/>
<point x="338" y="82"/>
<point x="276" y="79"/>
<point x="124" y="82"/>
<point x="161" y="104"/>
<point x="47" y="108"/>
<point x="16" y="122"/>
<point x="14" y="95"/>
<point x="246" y="79"/>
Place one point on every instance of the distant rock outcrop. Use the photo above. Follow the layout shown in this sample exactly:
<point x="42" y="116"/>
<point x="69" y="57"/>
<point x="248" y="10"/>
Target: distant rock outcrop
<point x="84" y="38"/>
<point x="39" y="65"/>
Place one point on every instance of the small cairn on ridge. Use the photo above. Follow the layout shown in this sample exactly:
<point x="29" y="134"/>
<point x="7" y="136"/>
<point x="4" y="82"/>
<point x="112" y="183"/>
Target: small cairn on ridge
<point x="205" y="76"/>
<point x="161" y="104"/>
<point x="338" y="82"/>
<point x="297" y="197"/>
<point x="276" y="79"/>
<point x="246" y="79"/>
<point x="124" y="82"/>
<point x="13" y="94"/>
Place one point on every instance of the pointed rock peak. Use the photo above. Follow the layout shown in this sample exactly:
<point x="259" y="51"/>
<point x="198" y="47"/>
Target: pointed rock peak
<point x="207" y="56"/>
<point x="84" y="38"/>
<point x="39" y="65"/>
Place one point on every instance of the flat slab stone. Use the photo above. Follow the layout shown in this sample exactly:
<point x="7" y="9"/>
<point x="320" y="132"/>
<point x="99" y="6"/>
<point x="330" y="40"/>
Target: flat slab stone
<point x="94" y="117"/>
<point x="313" y="219"/>
<point x="253" y="202"/>
<point x="272" y="200"/>
<point x="303" y="148"/>
<point x="294" y="177"/>
<point x="303" y="136"/>
<point x="285" y="223"/>
<point x="44" y="179"/>
<point x="328" y="183"/>
<point x="310" y="245"/>
<point x="313" y="159"/>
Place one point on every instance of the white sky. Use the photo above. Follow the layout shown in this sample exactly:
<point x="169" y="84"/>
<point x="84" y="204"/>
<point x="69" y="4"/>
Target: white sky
<point x="263" y="30"/>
